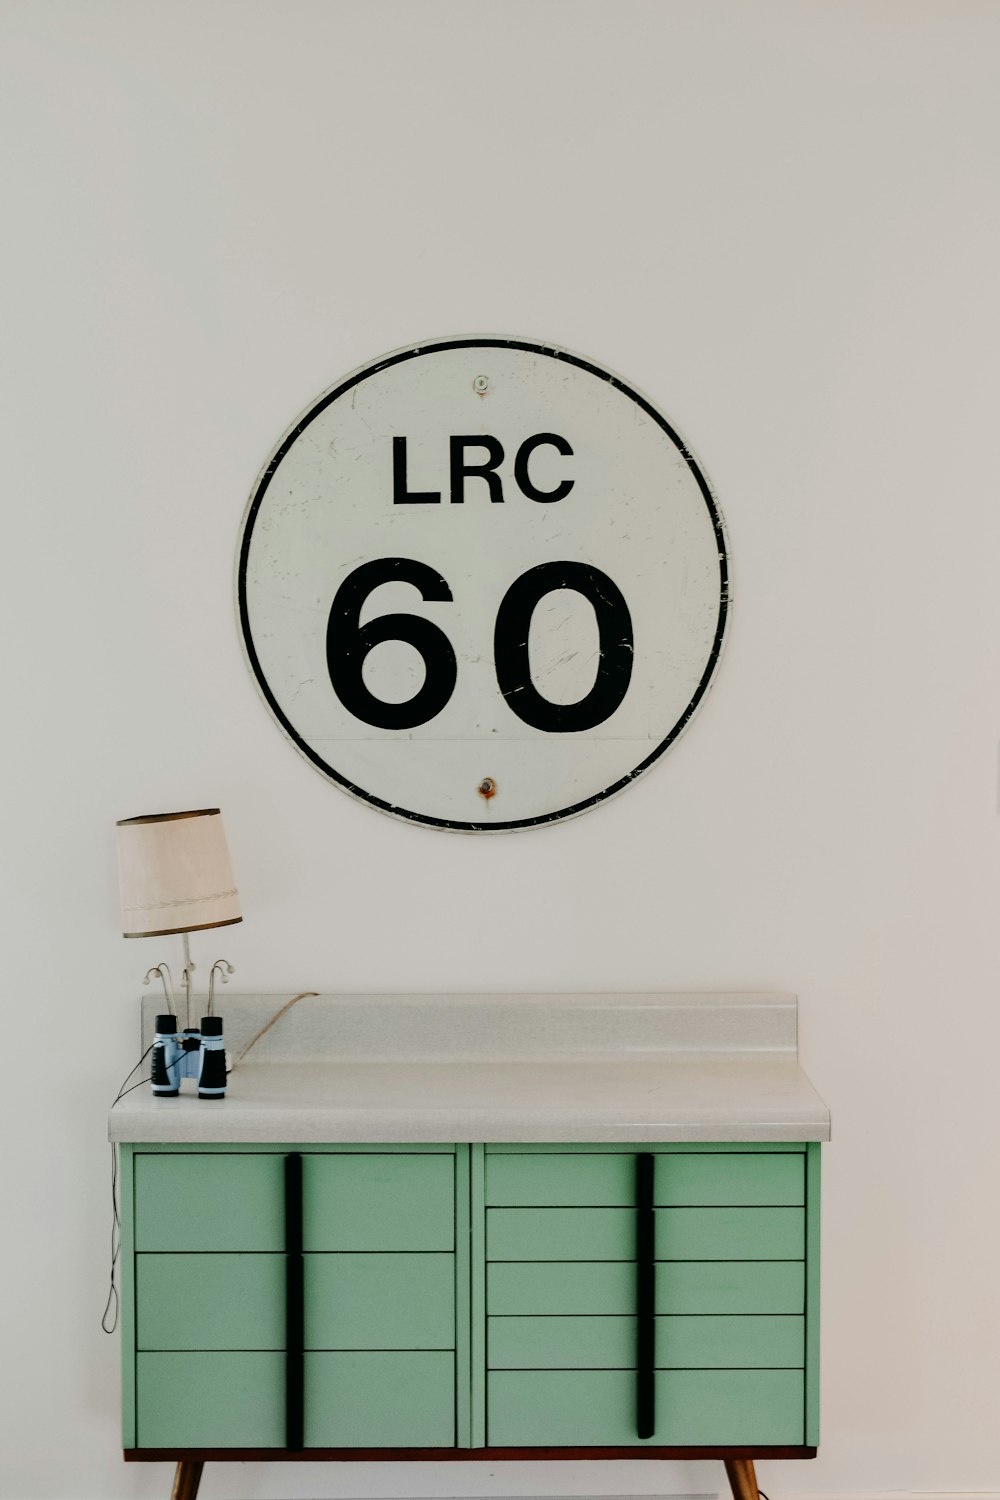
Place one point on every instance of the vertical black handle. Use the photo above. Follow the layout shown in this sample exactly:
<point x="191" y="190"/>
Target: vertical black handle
<point x="645" y="1296"/>
<point x="294" y="1306"/>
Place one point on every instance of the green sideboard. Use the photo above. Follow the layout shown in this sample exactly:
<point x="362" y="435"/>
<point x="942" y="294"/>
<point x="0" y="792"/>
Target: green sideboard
<point x="470" y="1301"/>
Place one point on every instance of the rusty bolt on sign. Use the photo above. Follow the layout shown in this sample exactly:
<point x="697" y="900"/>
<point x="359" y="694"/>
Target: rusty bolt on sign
<point x="481" y="385"/>
<point x="487" y="787"/>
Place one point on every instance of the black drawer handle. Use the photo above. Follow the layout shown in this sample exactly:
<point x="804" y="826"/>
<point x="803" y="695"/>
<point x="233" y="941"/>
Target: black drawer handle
<point x="645" y="1296"/>
<point x="294" y="1306"/>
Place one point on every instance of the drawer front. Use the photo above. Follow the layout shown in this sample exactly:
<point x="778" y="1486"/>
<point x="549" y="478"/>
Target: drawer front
<point x="378" y="1203"/>
<point x="397" y="1400"/>
<point x="554" y="1343"/>
<point x="682" y="1343"/>
<point x="351" y="1301"/>
<point x="730" y="1234"/>
<point x="564" y="1288"/>
<point x="202" y="1400"/>
<point x="223" y="1202"/>
<point x="210" y="1301"/>
<point x="730" y="1343"/>
<point x="569" y="1181"/>
<point x="560" y="1234"/>
<point x="394" y="1301"/>
<point x="731" y="1286"/>
<point x="610" y="1234"/>
<point x="210" y="1400"/>
<point x="607" y="1288"/>
<point x="560" y="1181"/>
<point x="593" y="1408"/>
<point x="726" y="1181"/>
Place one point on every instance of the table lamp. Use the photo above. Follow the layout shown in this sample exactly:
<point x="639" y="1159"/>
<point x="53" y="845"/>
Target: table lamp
<point x="175" y="877"/>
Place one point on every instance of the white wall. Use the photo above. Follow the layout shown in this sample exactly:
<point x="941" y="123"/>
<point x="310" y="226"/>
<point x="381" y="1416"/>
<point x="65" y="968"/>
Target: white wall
<point x="781" y="220"/>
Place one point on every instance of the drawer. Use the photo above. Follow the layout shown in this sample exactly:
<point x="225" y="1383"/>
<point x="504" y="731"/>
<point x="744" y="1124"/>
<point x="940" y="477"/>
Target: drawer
<point x="730" y="1234"/>
<point x="210" y="1301"/>
<point x="397" y="1400"/>
<point x="560" y="1234"/>
<point x="560" y="1288"/>
<point x="395" y="1301"/>
<point x="609" y="1343"/>
<point x="210" y="1400"/>
<point x="731" y="1343"/>
<point x="731" y="1286"/>
<point x="560" y="1181"/>
<point x="761" y="1407"/>
<point x="595" y="1408"/>
<point x="744" y="1180"/>
<point x="352" y="1301"/>
<point x="568" y="1181"/>
<point x="212" y="1202"/>
<point x="608" y="1287"/>
<point x="376" y="1202"/>
<point x="555" y="1343"/>
<point x="609" y="1234"/>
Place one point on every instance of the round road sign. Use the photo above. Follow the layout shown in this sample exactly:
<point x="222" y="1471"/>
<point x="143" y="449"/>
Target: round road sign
<point x="482" y="583"/>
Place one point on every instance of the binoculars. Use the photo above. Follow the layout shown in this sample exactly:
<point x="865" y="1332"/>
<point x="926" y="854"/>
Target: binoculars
<point x="189" y="1054"/>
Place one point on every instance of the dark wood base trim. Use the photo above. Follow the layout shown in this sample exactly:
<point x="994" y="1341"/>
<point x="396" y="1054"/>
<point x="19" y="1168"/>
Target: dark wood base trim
<point x="441" y="1455"/>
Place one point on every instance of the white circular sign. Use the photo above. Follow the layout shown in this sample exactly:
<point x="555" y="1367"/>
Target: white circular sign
<point x="482" y="584"/>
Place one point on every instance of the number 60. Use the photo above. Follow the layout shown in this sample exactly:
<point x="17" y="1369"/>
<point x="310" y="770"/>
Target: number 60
<point x="348" y="642"/>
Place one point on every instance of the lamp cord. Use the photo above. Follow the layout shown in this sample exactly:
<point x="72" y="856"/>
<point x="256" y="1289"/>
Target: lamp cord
<point x="111" y="1307"/>
<point x="306" y="994"/>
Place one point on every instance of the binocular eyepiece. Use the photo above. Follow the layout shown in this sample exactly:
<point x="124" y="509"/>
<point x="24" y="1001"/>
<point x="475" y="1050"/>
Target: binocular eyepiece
<point x="189" y="1054"/>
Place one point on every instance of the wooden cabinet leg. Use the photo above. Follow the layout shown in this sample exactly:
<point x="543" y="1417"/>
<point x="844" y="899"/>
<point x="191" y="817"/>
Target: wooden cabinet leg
<point x="187" y="1479"/>
<point x="742" y="1479"/>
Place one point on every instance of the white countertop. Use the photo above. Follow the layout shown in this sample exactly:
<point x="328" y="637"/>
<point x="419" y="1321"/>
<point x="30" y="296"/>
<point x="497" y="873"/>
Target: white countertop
<point x="494" y="1068"/>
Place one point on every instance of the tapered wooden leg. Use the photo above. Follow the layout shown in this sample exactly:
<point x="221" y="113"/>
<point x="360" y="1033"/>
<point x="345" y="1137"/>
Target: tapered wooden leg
<point x="187" y="1479"/>
<point x="742" y="1479"/>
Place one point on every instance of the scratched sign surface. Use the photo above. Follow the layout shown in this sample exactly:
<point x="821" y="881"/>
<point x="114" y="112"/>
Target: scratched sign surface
<point x="482" y="584"/>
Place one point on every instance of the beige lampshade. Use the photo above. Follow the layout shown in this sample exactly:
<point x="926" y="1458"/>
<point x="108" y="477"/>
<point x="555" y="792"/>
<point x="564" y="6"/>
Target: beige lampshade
<point x="174" y="874"/>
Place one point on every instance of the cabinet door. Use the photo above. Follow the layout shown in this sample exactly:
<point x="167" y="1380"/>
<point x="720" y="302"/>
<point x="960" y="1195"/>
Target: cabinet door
<point x="378" y="1235"/>
<point x="209" y="1358"/>
<point x="223" y="1337"/>
<point x="726" y="1326"/>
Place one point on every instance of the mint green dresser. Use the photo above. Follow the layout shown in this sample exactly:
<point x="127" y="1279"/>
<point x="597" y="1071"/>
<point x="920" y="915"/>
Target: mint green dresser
<point x="469" y="1300"/>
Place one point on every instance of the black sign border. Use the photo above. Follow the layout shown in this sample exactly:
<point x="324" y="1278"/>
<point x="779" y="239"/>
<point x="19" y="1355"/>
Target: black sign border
<point x="415" y="352"/>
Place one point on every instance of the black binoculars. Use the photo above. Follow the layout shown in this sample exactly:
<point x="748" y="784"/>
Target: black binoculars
<point x="189" y="1054"/>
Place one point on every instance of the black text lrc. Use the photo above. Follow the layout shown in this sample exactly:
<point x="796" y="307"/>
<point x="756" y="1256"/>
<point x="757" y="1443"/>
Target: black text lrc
<point x="460" y="470"/>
